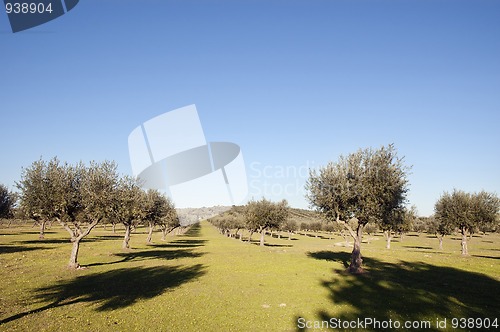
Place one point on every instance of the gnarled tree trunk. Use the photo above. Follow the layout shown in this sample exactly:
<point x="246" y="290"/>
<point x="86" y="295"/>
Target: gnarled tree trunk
<point x="465" y="250"/>
<point x="73" y="259"/>
<point x="262" y="233"/>
<point x="41" y="236"/>
<point x="388" y="237"/>
<point x="126" y="238"/>
<point x="150" y="233"/>
<point x="356" y="258"/>
<point x="77" y="234"/>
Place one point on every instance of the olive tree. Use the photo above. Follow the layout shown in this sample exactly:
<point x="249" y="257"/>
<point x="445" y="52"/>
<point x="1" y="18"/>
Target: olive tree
<point x="440" y="228"/>
<point x="289" y="226"/>
<point x="127" y="206"/>
<point x="7" y="201"/>
<point x="159" y="211"/>
<point x="397" y="221"/>
<point x="466" y="212"/>
<point x="35" y="195"/>
<point x="361" y="187"/>
<point x="90" y="194"/>
<point x="77" y="197"/>
<point x="262" y="215"/>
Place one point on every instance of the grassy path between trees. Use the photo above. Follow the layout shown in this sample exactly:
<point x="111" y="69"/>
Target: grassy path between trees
<point x="203" y="281"/>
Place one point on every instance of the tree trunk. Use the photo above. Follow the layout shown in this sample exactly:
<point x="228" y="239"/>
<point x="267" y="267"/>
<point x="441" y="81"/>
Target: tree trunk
<point x="289" y="235"/>
<point x="241" y="236"/>
<point x="164" y="234"/>
<point x="279" y="235"/>
<point x="114" y="227"/>
<point x="77" y="234"/>
<point x="42" y="230"/>
<point x="150" y="233"/>
<point x="465" y="251"/>
<point x="73" y="259"/>
<point x="356" y="258"/>
<point x="262" y="232"/>
<point x="388" y="237"/>
<point x="250" y="236"/>
<point x="440" y="242"/>
<point x="126" y="238"/>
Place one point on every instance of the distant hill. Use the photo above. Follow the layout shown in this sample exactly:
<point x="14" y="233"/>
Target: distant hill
<point x="188" y="216"/>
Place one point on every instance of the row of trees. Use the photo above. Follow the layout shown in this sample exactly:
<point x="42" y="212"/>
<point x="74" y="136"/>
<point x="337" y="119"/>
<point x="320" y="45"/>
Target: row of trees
<point x="233" y="221"/>
<point x="368" y="189"/>
<point x="79" y="197"/>
<point x="256" y="217"/>
<point x="370" y="186"/>
<point x="263" y="215"/>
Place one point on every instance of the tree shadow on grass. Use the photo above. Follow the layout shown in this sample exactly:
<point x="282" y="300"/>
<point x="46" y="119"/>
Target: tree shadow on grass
<point x="115" y="236"/>
<point x="180" y="244"/>
<point x="257" y="243"/>
<point x="58" y="241"/>
<point x="491" y="257"/>
<point x="408" y="291"/>
<point x="419" y="247"/>
<point x="151" y="254"/>
<point x="10" y="234"/>
<point x="12" y="249"/>
<point x="113" y="289"/>
<point x="159" y="254"/>
<point x="278" y="245"/>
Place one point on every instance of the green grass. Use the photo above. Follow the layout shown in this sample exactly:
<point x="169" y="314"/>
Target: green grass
<point x="203" y="281"/>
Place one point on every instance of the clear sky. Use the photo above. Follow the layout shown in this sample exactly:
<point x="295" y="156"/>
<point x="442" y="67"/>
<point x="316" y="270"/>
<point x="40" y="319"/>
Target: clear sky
<point x="295" y="83"/>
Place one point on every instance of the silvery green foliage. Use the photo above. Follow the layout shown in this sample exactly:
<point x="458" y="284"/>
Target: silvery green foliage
<point x="367" y="185"/>
<point x="265" y="214"/>
<point x="7" y="201"/>
<point x="77" y="196"/>
<point x="158" y="209"/>
<point x="466" y="211"/>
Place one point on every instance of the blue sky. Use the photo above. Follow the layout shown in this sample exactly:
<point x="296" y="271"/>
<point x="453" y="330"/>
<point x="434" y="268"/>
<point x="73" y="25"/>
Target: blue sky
<point x="294" y="83"/>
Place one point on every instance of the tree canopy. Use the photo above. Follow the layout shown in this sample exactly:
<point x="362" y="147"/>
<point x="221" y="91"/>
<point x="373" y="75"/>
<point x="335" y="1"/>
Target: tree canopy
<point x="366" y="185"/>
<point x="159" y="211"/>
<point x="76" y="196"/>
<point x="7" y="201"/>
<point x="466" y="212"/>
<point x="264" y="214"/>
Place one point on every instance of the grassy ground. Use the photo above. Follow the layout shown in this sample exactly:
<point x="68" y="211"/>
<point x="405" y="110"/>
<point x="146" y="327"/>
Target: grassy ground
<point x="202" y="281"/>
